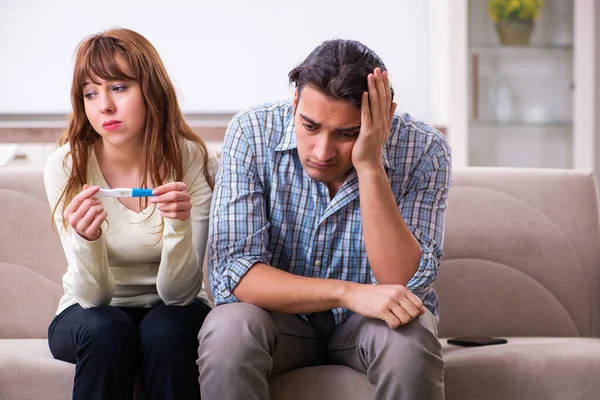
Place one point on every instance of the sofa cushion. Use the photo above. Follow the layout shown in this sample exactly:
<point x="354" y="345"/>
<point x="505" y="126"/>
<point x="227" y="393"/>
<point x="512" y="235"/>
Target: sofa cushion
<point x="31" y="263"/>
<point x="325" y="382"/>
<point x="524" y="368"/>
<point x="28" y="371"/>
<point x="521" y="254"/>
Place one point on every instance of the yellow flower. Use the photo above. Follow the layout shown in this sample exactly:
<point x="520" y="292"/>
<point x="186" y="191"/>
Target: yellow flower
<point x="512" y="6"/>
<point x="514" y="9"/>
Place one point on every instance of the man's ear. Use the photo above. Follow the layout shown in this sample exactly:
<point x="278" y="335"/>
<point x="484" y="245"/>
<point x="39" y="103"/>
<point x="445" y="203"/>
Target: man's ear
<point x="295" y="103"/>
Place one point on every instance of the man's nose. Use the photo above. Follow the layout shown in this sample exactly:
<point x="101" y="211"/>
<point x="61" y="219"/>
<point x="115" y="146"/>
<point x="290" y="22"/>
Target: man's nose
<point x="324" y="149"/>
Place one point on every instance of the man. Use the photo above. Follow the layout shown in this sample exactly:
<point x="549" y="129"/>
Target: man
<point x="326" y="235"/>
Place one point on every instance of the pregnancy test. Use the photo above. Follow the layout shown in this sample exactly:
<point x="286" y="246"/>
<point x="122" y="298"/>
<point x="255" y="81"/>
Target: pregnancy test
<point x="122" y="192"/>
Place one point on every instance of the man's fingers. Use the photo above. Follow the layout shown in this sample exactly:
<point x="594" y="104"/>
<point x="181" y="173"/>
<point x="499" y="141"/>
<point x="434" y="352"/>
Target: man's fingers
<point x="382" y="92"/>
<point x="401" y="314"/>
<point x="410" y="308"/>
<point x="365" y="113"/>
<point x="386" y="85"/>
<point x="414" y="300"/>
<point x="391" y="320"/>
<point x="373" y="97"/>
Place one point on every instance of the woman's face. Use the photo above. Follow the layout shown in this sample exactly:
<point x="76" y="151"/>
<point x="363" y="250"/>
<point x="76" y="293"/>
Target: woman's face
<point x="116" y="110"/>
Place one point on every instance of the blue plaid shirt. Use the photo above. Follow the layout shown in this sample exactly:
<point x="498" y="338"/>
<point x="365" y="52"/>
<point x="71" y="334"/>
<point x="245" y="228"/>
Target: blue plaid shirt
<point x="266" y="209"/>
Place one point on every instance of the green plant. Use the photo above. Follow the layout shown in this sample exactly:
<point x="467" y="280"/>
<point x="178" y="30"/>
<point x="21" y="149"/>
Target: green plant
<point x="514" y="9"/>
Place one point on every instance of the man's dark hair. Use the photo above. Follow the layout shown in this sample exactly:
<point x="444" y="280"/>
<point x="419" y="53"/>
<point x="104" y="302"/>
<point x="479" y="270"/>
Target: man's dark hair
<point x="338" y="68"/>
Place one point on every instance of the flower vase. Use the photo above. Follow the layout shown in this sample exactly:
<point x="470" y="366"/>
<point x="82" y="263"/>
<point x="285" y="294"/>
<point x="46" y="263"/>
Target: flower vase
<point x="515" y="32"/>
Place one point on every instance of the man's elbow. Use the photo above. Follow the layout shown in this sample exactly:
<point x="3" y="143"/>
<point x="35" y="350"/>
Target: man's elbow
<point x="401" y="274"/>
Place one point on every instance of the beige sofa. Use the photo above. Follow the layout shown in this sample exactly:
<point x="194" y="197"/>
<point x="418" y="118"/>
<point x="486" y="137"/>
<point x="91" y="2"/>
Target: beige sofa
<point x="522" y="261"/>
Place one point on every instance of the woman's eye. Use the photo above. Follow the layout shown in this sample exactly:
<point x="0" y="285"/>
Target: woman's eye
<point x="119" y="88"/>
<point x="89" y="95"/>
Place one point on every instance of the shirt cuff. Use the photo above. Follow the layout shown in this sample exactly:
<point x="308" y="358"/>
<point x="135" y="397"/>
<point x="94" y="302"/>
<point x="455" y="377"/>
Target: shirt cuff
<point x="373" y="279"/>
<point x="81" y="244"/>
<point x="173" y="225"/>
<point x="228" y="280"/>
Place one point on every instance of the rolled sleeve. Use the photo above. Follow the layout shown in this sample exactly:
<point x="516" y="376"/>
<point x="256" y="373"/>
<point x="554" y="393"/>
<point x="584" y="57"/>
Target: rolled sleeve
<point x="423" y="208"/>
<point x="239" y="228"/>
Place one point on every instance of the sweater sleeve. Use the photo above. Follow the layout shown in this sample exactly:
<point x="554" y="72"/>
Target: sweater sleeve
<point x="93" y="284"/>
<point x="179" y="277"/>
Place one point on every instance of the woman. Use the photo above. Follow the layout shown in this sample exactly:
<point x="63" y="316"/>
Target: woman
<point x="133" y="295"/>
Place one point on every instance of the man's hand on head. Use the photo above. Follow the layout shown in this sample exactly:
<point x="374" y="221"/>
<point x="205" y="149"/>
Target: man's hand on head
<point x="377" y="111"/>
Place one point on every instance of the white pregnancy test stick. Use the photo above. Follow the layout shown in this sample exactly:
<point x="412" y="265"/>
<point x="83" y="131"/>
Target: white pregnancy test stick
<point x="122" y="192"/>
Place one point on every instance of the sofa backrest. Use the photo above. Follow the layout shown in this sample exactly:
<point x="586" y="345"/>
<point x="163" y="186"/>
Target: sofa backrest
<point x="32" y="261"/>
<point x="522" y="254"/>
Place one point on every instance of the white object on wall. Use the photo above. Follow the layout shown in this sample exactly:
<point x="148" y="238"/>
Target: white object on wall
<point x="223" y="56"/>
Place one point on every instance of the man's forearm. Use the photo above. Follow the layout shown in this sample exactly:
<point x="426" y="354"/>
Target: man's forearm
<point x="276" y="290"/>
<point x="392" y="249"/>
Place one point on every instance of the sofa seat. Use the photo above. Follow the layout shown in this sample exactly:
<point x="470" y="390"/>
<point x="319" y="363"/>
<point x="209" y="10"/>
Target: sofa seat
<point x="28" y="371"/>
<point x="524" y="368"/>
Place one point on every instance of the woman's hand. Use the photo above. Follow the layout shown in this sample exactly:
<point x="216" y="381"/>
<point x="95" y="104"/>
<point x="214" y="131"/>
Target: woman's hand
<point x="173" y="200"/>
<point x="85" y="213"/>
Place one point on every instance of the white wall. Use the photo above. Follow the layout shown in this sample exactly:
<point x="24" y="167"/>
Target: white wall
<point x="223" y="55"/>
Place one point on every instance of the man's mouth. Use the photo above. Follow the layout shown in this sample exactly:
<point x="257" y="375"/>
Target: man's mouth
<point x="321" y="165"/>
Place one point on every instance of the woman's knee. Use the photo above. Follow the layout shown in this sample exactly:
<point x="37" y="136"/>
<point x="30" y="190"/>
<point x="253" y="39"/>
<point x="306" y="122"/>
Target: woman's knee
<point x="172" y="326"/>
<point x="108" y="329"/>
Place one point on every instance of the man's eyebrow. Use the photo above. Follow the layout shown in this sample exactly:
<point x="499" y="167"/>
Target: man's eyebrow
<point x="304" y="117"/>
<point x="340" y="130"/>
<point x="346" y="130"/>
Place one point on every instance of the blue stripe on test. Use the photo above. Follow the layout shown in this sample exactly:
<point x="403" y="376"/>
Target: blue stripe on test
<point x="141" y="192"/>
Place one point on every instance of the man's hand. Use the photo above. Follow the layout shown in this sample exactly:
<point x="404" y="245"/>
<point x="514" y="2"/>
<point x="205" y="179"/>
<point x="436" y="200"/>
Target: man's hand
<point x="394" y="304"/>
<point x="173" y="200"/>
<point x="377" y="111"/>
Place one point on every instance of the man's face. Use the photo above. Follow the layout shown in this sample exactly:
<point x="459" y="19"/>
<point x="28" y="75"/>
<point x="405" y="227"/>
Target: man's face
<point x="325" y="134"/>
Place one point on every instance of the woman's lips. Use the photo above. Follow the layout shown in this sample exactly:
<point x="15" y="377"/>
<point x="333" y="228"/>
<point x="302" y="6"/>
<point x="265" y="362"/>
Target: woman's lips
<point x="111" y="125"/>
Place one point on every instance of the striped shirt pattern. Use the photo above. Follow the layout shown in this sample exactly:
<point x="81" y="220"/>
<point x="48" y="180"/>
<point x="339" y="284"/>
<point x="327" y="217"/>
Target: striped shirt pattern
<point x="266" y="209"/>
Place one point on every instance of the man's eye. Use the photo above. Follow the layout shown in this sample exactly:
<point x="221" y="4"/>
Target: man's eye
<point x="349" y="136"/>
<point x="309" y="127"/>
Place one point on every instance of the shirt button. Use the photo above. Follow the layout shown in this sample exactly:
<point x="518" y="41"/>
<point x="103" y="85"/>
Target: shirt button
<point x="318" y="263"/>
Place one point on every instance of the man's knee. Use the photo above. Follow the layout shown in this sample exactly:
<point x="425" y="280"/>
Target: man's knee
<point x="235" y="325"/>
<point x="415" y="344"/>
